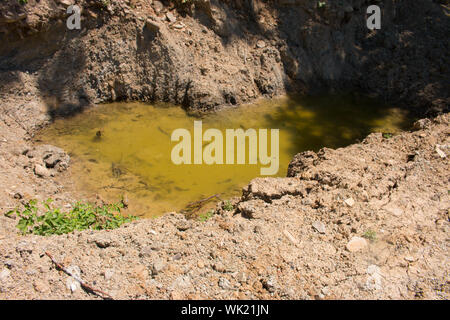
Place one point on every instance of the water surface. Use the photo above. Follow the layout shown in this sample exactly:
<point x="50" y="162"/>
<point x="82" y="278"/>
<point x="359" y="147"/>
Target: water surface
<point x="123" y="149"/>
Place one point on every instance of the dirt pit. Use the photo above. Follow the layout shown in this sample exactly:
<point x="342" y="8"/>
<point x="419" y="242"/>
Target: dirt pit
<point x="125" y="149"/>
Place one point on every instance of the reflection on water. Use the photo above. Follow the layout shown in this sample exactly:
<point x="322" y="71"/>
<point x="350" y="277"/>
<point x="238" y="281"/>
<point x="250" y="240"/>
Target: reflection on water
<point x="124" y="148"/>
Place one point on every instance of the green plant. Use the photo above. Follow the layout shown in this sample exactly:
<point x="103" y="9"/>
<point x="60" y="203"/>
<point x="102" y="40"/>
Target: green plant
<point x="370" y="234"/>
<point x="387" y="135"/>
<point x="321" y="4"/>
<point x="205" y="216"/>
<point x="81" y="217"/>
<point x="23" y="2"/>
<point x="227" y="206"/>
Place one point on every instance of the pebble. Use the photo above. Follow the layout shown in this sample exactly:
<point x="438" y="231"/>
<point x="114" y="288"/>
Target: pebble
<point x="158" y="266"/>
<point x="260" y="44"/>
<point x="356" y="244"/>
<point x="440" y="152"/>
<point x="40" y="171"/>
<point x="171" y="17"/>
<point x="72" y="284"/>
<point x="350" y="202"/>
<point x="4" y="274"/>
<point x="270" y="284"/>
<point x="290" y="237"/>
<point x="241" y="277"/>
<point x="108" y="274"/>
<point x="224" y="283"/>
<point x="319" y="226"/>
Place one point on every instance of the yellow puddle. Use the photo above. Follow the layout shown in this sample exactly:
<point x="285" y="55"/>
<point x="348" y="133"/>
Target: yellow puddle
<point x="131" y="157"/>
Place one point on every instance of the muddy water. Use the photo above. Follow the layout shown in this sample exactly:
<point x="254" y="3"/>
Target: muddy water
<point x="123" y="149"/>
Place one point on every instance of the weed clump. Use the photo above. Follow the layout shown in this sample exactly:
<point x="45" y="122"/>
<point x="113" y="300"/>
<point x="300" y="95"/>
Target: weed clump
<point x="53" y="221"/>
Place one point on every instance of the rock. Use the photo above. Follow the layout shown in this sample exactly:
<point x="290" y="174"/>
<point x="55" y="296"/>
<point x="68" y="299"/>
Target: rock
<point x="440" y="152"/>
<point x="41" y="171"/>
<point x="66" y="2"/>
<point x="158" y="266"/>
<point x="251" y="209"/>
<point x="356" y="244"/>
<point x="182" y="282"/>
<point x="200" y="264"/>
<point x="260" y="44"/>
<point x="290" y="237"/>
<point x="170" y="17"/>
<point x="350" y="202"/>
<point x="241" y="277"/>
<point x="72" y="284"/>
<point x="270" y="284"/>
<point x="421" y="124"/>
<point x="103" y="241"/>
<point x="319" y="226"/>
<point x="52" y="156"/>
<point x="374" y="279"/>
<point x="108" y="274"/>
<point x="325" y="291"/>
<point x="157" y="6"/>
<point x="4" y="274"/>
<point x="225" y="284"/>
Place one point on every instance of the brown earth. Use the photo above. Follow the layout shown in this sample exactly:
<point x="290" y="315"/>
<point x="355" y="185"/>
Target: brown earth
<point x="301" y="237"/>
<point x="289" y="238"/>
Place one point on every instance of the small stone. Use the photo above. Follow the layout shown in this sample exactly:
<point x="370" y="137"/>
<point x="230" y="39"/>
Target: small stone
<point x="140" y="272"/>
<point x="290" y="237"/>
<point x="270" y="284"/>
<point x="72" y="284"/>
<point x="4" y="274"/>
<point x="152" y="25"/>
<point x="356" y="244"/>
<point x="241" y="277"/>
<point x="421" y="124"/>
<point x="158" y="266"/>
<point x="224" y="283"/>
<point x="181" y="282"/>
<point x="260" y="44"/>
<point x="41" y="171"/>
<point x="350" y="202"/>
<point x="170" y="17"/>
<point x="66" y="2"/>
<point x="200" y="264"/>
<point x="319" y="226"/>
<point x="325" y="291"/>
<point x="158" y="6"/>
<point x="440" y="152"/>
<point x="372" y="269"/>
<point x="108" y="274"/>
